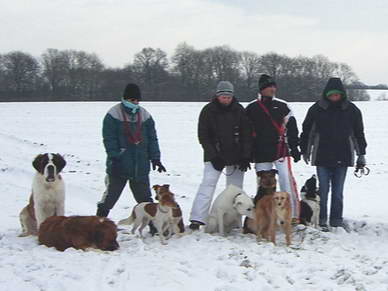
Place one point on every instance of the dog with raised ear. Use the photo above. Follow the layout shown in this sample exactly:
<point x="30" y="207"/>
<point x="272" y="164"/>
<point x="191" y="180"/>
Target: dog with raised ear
<point x="48" y="193"/>
<point x="266" y="181"/>
<point x="271" y="211"/>
<point x="79" y="232"/>
<point x="227" y="210"/>
<point x="310" y="204"/>
<point x="177" y="217"/>
<point x="159" y="213"/>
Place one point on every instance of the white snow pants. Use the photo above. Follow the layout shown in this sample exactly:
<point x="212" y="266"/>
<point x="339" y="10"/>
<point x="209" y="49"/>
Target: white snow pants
<point x="286" y="180"/>
<point x="204" y="197"/>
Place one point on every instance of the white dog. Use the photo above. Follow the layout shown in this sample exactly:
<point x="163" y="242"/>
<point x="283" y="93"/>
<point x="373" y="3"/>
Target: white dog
<point x="48" y="193"/>
<point x="228" y="209"/>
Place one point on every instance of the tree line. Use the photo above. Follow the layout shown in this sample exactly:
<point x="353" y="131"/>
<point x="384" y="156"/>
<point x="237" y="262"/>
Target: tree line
<point x="188" y="75"/>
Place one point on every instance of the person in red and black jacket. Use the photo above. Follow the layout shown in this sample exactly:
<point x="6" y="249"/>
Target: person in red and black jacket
<point x="275" y="137"/>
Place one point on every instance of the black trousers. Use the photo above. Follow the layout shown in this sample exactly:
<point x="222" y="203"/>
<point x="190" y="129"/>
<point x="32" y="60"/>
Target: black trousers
<point x="115" y="186"/>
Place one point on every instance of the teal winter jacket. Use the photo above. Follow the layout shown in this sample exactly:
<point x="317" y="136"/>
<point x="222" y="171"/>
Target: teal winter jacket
<point x="134" y="159"/>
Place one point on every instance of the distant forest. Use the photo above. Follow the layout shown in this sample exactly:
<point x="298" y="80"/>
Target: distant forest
<point x="188" y="75"/>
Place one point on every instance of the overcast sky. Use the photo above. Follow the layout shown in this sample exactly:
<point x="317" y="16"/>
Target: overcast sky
<point x="351" y="31"/>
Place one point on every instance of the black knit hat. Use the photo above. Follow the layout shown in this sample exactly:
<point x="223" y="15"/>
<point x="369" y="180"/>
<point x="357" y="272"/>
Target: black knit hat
<point x="132" y="91"/>
<point x="266" y="81"/>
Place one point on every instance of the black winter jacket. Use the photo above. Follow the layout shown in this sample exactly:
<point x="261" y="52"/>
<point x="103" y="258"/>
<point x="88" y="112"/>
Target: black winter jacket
<point x="224" y="132"/>
<point x="265" y="135"/>
<point x="333" y="132"/>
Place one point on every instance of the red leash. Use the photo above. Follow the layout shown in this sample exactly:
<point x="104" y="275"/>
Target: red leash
<point x="280" y="128"/>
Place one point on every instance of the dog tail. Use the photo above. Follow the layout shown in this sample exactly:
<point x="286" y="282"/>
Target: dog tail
<point x="128" y="220"/>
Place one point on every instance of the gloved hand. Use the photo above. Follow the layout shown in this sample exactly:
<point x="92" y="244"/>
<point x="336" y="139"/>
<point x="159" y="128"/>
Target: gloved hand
<point x="295" y="153"/>
<point x="218" y="164"/>
<point x="306" y="158"/>
<point x="361" y="162"/>
<point x="157" y="164"/>
<point x="244" y="165"/>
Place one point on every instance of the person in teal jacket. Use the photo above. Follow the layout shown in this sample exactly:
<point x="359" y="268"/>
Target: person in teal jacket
<point x="131" y="144"/>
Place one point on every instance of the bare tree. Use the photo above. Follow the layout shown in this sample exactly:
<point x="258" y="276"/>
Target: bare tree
<point x="20" y="73"/>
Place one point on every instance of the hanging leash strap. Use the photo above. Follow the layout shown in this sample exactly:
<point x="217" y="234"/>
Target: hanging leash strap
<point x="361" y="171"/>
<point x="280" y="128"/>
<point x="133" y="137"/>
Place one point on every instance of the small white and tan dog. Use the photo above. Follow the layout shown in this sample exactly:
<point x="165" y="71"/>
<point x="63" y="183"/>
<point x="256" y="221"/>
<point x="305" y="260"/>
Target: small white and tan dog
<point x="159" y="213"/>
<point x="48" y="193"/>
<point x="228" y="209"/>
<point x="176" y="218"/>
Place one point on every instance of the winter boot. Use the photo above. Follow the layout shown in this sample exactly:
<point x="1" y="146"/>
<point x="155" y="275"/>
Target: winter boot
<point x="194" y="225"/>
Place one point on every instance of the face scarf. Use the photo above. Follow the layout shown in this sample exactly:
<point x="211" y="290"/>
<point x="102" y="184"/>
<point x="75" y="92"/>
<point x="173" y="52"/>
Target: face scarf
<point x="134" y="108"/>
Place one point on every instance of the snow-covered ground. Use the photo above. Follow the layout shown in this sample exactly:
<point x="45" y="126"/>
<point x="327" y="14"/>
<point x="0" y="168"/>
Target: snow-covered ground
<point x="333" y="261"/>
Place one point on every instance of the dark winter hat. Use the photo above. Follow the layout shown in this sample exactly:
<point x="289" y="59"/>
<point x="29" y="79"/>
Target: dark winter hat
<point x="225" y="88"/>
<point x="334" y="86"/>
<point x="132" y="91"/>
<point x="266" y="81"/>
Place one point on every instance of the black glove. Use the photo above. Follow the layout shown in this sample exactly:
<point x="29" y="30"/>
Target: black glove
<point x="116" y="166"/>
<point x="295" y="153"/>
<point x="244" y="165"/>
<point x="361" y="162"/>
<point x="218" y="163"/>
<point x="158" y="164"/>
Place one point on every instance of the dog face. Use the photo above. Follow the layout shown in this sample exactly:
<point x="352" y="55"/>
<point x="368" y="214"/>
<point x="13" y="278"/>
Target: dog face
<point x="267" y="178"/>
<point x="49" y="165"/>
<point x="310" y="187"/>
<point x="244" y="205"/>
<point x="105" y="235"/>
<point x="159" y="190"/>
<point x="281" y="199"/>
<point x="167" y="199"/>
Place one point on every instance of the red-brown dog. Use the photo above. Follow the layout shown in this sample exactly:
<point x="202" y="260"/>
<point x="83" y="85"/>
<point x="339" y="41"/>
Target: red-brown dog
<point x="79" y="232"/>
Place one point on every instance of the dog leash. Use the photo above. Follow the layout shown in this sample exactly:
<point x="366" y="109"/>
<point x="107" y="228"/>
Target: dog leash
<point x="228" y="175"/>
<point x="361" y="171"/>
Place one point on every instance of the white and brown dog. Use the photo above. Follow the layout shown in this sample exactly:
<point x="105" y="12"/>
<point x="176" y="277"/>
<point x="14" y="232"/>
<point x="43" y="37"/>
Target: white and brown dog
<point x="159" y="213"/>
<point x="176" y="214"/>
<point x="48" y="193"/>
<point x="228" y="209"/>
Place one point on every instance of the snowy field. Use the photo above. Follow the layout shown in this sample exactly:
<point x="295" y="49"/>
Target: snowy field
<point x="333" y="261"/>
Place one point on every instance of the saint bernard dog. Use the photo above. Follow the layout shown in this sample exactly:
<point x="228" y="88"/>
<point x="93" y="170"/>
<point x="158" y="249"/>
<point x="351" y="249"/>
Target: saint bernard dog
<point x="48" y="193"/>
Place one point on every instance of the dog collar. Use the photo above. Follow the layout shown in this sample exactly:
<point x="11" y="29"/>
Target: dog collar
<point x="161" y="210"/>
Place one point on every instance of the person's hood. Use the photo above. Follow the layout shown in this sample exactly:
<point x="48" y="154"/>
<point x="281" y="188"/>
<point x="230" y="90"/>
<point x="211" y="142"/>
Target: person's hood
<point x="334" y="85"/>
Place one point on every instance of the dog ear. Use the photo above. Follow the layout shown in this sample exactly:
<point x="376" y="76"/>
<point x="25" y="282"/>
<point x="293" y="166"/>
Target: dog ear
<point x="59" y="161"/>
<point x="167" y="186"/>
<point x="274" y="172"/>
<point x="37" y="163"/>
<point x="259" y="173"/>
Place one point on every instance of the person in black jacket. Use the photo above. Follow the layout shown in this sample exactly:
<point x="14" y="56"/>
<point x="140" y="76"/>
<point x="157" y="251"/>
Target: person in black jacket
<point x="225" y="136"/>
<point x="275" y="137"/>
<point x="333" y="131"/>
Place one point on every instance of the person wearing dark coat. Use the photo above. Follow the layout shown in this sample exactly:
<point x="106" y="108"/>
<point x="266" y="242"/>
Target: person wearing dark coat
<point x="275" y="138"/>
<point x="131" y="144"/>
<point x="225" y="136"/>
<point x="333" y="132"/>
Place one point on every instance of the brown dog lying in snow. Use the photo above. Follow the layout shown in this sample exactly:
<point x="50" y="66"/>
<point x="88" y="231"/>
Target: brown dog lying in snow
<point x="79" y="232"/>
